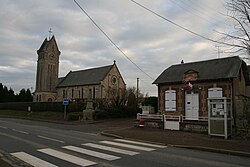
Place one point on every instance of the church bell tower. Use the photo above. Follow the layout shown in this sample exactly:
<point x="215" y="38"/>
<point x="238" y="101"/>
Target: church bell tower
<point x="47" y="71"/>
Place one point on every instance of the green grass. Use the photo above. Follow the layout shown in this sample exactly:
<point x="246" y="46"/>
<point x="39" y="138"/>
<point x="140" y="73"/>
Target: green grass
<point x="49" y="116"/>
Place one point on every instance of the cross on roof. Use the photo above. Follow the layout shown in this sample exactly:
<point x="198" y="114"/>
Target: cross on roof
<point x="50" y="32"/>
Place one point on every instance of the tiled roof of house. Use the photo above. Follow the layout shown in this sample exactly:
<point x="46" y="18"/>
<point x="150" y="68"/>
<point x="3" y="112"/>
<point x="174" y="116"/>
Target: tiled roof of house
<point x="207" y="70"/>
<point x="84" y="77"/>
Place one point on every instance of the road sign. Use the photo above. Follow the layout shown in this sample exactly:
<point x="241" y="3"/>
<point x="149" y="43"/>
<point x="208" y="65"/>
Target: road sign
<point x="65" y="101"/>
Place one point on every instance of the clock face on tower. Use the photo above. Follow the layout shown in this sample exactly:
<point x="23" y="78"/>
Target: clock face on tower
<point x="52" y="56"/>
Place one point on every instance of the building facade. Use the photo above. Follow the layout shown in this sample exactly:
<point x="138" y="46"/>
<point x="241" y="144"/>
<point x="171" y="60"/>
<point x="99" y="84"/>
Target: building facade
<point x="184" y="89"/>
<point x="104" y="82"/>
<point x="97" y="83"/>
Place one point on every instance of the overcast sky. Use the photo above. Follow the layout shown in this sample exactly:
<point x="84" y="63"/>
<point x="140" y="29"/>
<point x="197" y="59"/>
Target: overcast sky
<point x="149" y="41"/>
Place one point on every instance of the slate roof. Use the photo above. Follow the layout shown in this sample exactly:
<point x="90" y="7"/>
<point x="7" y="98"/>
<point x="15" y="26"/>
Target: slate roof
<point x="84" y="77"/>
<point x="207" y="70"/>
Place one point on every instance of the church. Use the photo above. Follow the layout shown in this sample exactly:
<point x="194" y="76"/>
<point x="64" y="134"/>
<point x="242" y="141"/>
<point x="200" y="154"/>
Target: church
<point x="105" y="83"/>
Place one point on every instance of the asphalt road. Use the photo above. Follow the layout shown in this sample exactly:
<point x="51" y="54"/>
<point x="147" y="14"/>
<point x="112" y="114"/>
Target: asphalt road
<point x="50" y="144"/>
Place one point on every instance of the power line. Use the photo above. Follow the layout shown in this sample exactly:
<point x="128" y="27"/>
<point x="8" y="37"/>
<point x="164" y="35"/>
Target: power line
<point x="184" y="28"/>
<point x="106" y="35"/>
<point x="190" y="31"/>
<point x="190" y="9"/>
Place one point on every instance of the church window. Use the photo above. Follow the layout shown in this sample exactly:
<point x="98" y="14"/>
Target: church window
<point x="72" y="93"/>
<point x="114" y="80"/>
<point x="64" y="94"/>
<point x="82" y="93"/>
<point x="94" y="93"/>
<point x="90" y="93"/>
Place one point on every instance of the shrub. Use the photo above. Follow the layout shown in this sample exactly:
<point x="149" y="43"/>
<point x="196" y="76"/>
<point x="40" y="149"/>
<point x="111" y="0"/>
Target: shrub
<point x="73" y="116"/>
<point x="114" y="112"/>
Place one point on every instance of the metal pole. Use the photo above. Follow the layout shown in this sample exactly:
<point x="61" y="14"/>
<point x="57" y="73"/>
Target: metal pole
<point x="65" y="108"/>
<point x="137" y="88"/>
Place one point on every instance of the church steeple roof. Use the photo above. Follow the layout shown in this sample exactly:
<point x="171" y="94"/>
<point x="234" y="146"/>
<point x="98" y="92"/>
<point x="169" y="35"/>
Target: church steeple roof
<point x="46" y="43"/>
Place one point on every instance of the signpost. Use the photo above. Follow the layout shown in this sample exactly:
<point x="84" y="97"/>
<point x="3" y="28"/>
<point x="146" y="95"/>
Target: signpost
<point x="65" y="103"/>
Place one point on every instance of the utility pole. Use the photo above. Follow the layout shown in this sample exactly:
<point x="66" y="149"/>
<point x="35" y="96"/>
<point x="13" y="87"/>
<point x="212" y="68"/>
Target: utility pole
<point x="218" y="51"/>
<point x="137" y="88"/>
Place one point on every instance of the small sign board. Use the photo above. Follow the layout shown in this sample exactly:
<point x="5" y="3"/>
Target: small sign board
<point x="65" y="101"/>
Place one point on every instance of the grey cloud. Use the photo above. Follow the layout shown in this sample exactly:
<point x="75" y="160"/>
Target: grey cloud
<point x="150" y="42"/>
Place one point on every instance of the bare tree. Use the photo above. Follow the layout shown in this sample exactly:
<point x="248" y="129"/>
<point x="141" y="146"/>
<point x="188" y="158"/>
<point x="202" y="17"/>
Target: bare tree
<point x="238" y="39"/>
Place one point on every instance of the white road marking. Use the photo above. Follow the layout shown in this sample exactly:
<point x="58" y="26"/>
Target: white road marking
<point x="140" y="143"/>
<point x="92" y="153"/>
<point x="3" y="127"/>
<point x="112" y="149"/>
<point x="127" y="146"/>
<point x="43" y="137"/>
<point x="15" y="130"/>
<point x="34" y="161"/>
<point x="67" y="157"/>
<point x="92" y="134"/>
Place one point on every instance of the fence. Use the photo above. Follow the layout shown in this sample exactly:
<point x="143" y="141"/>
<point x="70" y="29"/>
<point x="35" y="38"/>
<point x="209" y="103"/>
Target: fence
<point x="171" y="122"/>
<point x="147" y="109"/>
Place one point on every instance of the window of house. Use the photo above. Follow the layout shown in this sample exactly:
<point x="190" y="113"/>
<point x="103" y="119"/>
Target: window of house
<point x="215" y="92"/>
<point x="170" y="100"/>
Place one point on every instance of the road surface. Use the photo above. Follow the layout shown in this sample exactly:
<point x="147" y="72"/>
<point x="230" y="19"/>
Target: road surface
<point x="43" y="144"/>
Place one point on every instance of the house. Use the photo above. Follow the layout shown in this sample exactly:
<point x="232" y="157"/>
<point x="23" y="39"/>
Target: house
<point x="184" y="89"/>
<point x="104" y="82"/>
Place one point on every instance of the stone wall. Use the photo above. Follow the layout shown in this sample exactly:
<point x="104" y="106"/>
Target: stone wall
<point x="151" y="123"/>
<point x="201" y="127"/>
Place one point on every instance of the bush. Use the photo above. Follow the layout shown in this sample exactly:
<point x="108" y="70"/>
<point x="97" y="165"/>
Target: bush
<point x="74" y="116"/>
<point x="115" y="112"/>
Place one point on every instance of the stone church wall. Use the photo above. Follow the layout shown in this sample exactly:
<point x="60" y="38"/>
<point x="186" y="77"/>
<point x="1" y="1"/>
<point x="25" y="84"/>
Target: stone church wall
<point x="111" y="86"/>
<point x="78" y="92"/>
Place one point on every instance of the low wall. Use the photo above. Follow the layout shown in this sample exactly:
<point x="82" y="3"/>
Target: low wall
<point x="151" y="123"/>
<point x="201" y="127"/>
